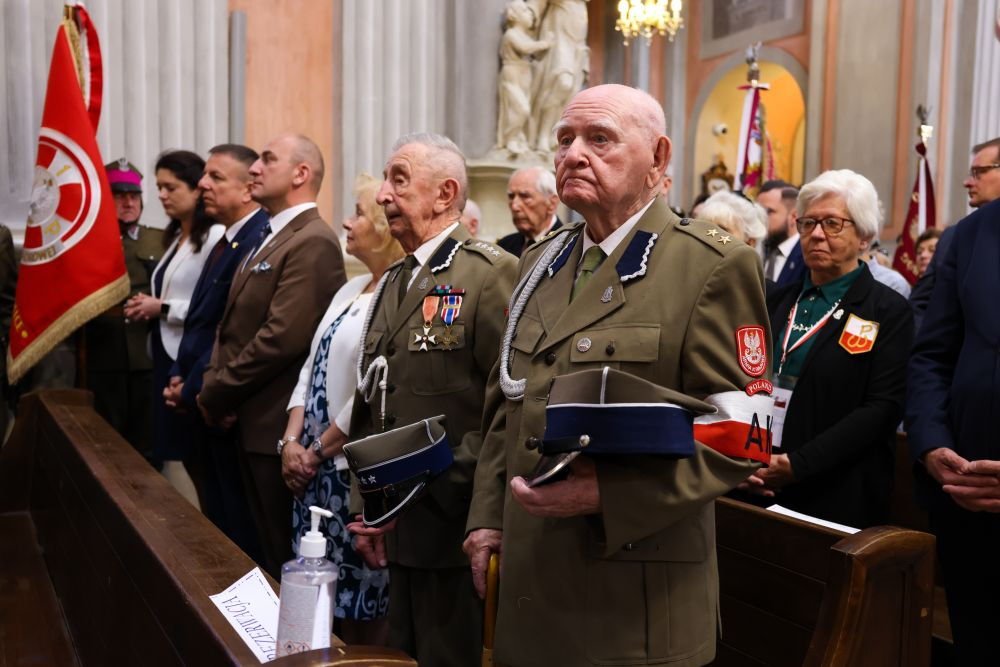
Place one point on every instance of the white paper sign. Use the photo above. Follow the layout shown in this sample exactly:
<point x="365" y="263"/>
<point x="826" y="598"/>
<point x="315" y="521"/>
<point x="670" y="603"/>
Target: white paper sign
<point x="251" y="607"/>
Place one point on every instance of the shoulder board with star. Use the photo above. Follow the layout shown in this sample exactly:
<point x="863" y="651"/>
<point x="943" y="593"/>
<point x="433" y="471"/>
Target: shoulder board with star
<point x="539" y="247"/>
<point x="490" y="251"/>
<point x="708" y="233"/>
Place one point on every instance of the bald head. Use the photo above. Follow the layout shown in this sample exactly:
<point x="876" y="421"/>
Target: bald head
<point x="612" y="154"/>
<point x="288" y="172"/>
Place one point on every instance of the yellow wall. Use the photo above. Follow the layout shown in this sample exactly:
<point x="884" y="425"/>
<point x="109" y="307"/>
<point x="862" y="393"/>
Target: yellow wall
<point x="785" y="108"/>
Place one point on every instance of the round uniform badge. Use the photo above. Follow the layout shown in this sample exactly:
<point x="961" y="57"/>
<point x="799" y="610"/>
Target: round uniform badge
<point x="584" y="344"/>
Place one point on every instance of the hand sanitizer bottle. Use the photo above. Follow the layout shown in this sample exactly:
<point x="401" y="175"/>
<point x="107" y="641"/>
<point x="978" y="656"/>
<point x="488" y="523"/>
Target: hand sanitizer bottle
<point x="308" y="584"/>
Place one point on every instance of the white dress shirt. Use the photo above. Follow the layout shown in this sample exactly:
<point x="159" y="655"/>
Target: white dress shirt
<point x="179" y="279"/>
<point x="781" y="254"/>
<point x="427" y="248"/>
<point x="281" y="220"/>
<point x="614" y="239"/>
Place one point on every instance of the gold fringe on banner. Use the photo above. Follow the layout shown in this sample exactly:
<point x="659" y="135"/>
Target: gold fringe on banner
<point x="79" y="314"/>
<point x="76" y="49"/>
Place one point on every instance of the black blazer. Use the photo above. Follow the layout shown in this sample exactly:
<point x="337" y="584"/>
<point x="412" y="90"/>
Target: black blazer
<point x="840" y="427"/>
<point x="516" y="243"/>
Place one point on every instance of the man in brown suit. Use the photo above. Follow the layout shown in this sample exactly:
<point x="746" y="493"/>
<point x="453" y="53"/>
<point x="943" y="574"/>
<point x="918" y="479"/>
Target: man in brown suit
<point x="616" y="564"/>
<point x="275" y="302"/>
<point x="436" y="327"/>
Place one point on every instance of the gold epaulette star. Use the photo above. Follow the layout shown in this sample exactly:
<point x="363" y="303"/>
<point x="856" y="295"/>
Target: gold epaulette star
<point x="724" y="240"/>
<point x="713" y="232"/>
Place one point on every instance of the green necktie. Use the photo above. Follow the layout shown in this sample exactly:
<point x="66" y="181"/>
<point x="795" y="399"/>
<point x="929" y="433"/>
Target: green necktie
<point x="591" y="260"/>
<point x="405" y="275"/>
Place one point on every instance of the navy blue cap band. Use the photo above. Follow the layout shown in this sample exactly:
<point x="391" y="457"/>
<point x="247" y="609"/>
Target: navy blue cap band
<point x="433" y="459"/>
<point x="618" y="428"/>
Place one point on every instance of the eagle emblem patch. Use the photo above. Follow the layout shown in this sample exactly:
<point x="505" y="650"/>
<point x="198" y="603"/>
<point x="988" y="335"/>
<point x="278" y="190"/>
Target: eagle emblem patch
<point x="750" y="350"/>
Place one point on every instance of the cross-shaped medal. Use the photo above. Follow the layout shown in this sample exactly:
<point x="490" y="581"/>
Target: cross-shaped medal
<point x="425" y="338"/>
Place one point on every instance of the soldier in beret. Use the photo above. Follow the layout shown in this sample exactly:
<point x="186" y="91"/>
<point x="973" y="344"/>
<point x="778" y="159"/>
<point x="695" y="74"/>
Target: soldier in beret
<point x="430" y="342"/>
<point x="616" y="564"/>
<point x="118" y="368"/>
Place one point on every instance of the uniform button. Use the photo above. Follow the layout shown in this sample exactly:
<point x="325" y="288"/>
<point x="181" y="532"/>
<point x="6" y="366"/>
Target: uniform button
<point x="390" y="419"/>
<point x="468" y="241"/>
<point x="584" y="344"/>
<point x="532" y="443"/>
<point x="391" y="388"/>
<point x="550" y="358"/>
<point x="610" y="349"/>
<point x="390" y="349"/>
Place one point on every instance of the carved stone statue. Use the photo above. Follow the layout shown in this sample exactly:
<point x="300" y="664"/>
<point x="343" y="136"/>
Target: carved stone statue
<point x="517" y="46"/>
<point x="562" y="71"/>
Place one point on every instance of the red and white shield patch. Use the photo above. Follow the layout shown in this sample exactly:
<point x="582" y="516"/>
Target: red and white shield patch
<point x="750" y="350"/>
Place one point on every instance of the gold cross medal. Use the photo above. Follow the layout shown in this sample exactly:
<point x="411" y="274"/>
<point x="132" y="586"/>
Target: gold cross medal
<point x="451" y="307"/>
<point x="429" y="308"/>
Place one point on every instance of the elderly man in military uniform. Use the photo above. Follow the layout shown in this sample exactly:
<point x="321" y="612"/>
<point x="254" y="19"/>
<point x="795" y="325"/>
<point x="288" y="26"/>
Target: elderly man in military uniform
<point x="615" y="564"/>
<point x="430" y="343"/>
<point x="117" y="366"/>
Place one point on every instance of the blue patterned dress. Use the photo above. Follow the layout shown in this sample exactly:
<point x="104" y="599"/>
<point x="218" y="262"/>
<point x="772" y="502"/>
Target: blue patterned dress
<point x="362" y="593"/>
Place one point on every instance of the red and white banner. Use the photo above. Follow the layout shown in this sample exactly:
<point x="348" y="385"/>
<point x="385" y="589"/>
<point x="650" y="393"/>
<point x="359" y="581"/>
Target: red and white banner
<point x="73" y="266"/>
<point x="920" y="216"/>
<point x="754" y="159"/>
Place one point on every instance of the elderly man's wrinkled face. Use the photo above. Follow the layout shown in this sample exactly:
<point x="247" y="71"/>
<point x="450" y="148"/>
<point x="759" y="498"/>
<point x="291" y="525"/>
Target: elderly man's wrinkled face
<point x="530" y="209"/>
<point x="602" y="155"/>
<point x="409" y="190"/>
<point x="128" y="206"/>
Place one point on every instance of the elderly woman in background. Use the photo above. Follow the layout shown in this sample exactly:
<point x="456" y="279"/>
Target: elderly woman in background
<point x="189" y="239"/>
<point x="840" y="350"/>
<point x="738" y="216"/>
<point x="319" y="421"/>
<point x="926" y="245"/>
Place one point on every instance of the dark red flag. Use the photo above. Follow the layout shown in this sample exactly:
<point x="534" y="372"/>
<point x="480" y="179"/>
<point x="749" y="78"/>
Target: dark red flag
<point x="920" y="216"/>
<point x="72" y="267"/>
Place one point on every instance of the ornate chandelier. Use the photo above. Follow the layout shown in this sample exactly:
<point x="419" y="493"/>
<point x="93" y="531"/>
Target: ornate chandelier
<point x="644" y="17"/>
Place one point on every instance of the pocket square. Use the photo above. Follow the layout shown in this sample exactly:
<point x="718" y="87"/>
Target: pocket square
<point x="261" y="267"/>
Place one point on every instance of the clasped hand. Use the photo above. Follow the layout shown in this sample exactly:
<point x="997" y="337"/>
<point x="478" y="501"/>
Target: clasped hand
<point x="142" y="307"/>
<point x="973" y="485"/>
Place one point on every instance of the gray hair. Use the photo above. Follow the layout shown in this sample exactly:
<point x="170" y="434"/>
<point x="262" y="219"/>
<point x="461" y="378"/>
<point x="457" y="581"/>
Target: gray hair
<point x="733" y="212"/>
<point x="545" y="180"/>
<point x="859" y="196"/>
<point x="472" y="209"/>
<point x="454" y="167"/>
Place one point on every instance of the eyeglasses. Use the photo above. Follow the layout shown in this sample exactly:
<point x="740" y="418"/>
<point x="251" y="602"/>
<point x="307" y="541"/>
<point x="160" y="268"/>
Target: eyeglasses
<point x="831" y="226"/>
<point x="977" y="172"/>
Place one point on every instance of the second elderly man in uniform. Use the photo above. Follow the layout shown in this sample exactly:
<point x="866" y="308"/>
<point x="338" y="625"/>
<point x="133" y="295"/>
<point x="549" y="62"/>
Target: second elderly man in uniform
<point x="431" y="341"/>
<point x="616" y="563"/>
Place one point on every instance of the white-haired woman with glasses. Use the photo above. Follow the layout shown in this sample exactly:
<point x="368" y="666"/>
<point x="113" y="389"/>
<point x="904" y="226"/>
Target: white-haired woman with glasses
<point x="841" y="342"/>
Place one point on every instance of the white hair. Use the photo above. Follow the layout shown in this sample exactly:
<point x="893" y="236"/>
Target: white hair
<point x="472" y="209"/>
<point x="545" y="180"/>
<point x="453" y="168"/>
<point x="736" y="215"/>
<point x="857" y="192"/>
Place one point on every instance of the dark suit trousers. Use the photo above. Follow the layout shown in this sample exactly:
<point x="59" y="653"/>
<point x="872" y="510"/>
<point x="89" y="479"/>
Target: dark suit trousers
<point x="968" y="544"/>
<point x="220" y="488"/>
<point x="124" y="399"/>
<point x="270" y="503"/>
<point x="435" y="615"/>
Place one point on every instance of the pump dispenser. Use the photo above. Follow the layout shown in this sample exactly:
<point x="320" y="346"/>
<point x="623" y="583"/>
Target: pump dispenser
<point x="308" y="584"/>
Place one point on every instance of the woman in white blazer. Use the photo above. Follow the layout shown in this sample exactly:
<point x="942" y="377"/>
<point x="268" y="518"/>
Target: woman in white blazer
<point x="319" y="421"/>
<point x="191" y="237"/>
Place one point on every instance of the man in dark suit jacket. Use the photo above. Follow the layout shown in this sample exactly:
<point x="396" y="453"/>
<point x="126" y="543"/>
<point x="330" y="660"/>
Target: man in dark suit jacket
<point x="532" y="198"/>
<point x="278" y="294"/>
<point x="953" y="398"/>
<point x="226" y="193"/>
<point x="983" y="185"/>
<point x="783" y="263"/>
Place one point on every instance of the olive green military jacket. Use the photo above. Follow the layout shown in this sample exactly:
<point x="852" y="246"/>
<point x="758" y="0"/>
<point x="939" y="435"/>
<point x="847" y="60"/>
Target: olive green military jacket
<point x="112" y="344"/>
<point x="636" y="583"/>
<point x="447" y="376"/>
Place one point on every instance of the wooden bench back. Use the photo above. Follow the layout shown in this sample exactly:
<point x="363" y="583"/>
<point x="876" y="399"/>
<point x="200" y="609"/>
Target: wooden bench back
<point x="132" y="562"/>
<point x="794" y="593"/>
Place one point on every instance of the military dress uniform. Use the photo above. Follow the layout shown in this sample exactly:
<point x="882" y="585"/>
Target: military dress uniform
<point x="439" y="345"/>
<point x="637" y="582"/>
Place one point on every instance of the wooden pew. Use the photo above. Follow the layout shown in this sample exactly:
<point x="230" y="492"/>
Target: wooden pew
<point x="102" y="562"/>
<point x="795" y="593"/>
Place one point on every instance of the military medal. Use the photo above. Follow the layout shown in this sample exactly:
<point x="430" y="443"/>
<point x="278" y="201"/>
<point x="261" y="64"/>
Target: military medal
<point x="428" y="310"/>
<point x="451" y="307"/>
<point x="447" y="290"/>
